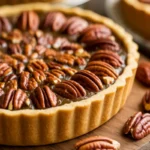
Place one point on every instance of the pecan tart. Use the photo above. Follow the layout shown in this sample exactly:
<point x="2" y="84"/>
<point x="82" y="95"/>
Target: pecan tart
<point x="137" y="14"/>
<point x="64" y="72"/>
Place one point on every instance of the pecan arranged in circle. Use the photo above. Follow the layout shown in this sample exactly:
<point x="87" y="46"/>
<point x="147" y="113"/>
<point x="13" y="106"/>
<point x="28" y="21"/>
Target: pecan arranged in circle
<point x="14" y="49"/>
<point x="70" y="89"/>
<point x="101" y="69"/>
<point x="60" y="42"/>
<point x="105" y="44"/>
<point x="58" y="73"/>
<point x="74" y="25"/>
<point x="11" y="84"/>
<point x="20" y="57"/>
<point x="28" y="20"/>
<point x="107" y="56"/>
<point x="94" y="32"/>
<point x="27" y="82"/>
<point x="5" y="69"/>
<point x="143" y="73"/>
<point x="5" y="25"/>
<point x="146" y="101"/>
<point x="37" y="65"/>
<point x="40" y="49"/>
<point x="10" y="77"/>
<point x="54" y="65"/>
<point x="39" y="76"/>
<point x="43" y="97"/>
<point x="13" y="99"/>
<point x="138" y="125"/>
<point x="19" y="67"/>
<point x="88" y="80"/>
<point x="50" y="54"/>
<point x="54" y="21"/>
<point x="97" y="143"/>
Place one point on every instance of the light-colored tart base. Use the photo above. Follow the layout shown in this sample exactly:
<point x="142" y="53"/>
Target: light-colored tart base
<point x="137" y="15"/>
<point x="40" y="127"/>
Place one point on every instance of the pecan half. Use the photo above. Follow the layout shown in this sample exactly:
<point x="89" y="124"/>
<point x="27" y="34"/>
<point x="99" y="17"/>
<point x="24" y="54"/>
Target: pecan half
<point x="11" y="84"/>
<point x="105" y="44"/>
<point x="101" y="69"/>
<point x="13" y="99"/>
<point x="5" y="69"/>
<point x="54" y="21"/>
<point x="69" y="71"/>
<point x="14" y="49"/>
<point x="20" y="57"/>
<point x="138" y="125"/>
<point x="28" y="20"/>
<point x="37" y="65"/>
<point x="146" y="101"/>
<point x="58" y="73"/>
<point x="97" y="143"/>
<point x="54" y="65"/>
<point x="26" y="82"/>
<point x="39" y="76"/>
<point x="10" y="77"/>
<point x="70" y="89"/>
<point x="94" y="32"/>
<point x="50" y="54"/>
<point x="143" y="73"/>
<point x="60" y="42"/>
<point x="74" y="25"/>
<point x="43" y="97"/>
<point x="19" y="67"/>
<point x="40" y="49"/>
<point x="145" y="1"/>
<point x="5" y="25"/>
<point x="88" y="80"/>
<point x="107" y="56"/>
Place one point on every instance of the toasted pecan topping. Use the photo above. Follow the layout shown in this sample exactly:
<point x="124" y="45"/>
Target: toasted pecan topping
<point x="28" y="20"/>
<point x="146" y="101"/>
<point x="74" y="25"/>
<point x="138" y="125"/>
<point x="107" y="56"/>
<point x="5" y="25"/>
<point x="54" y="21"/>
<point x="88" y="80"/>
<point x="70" y="89"/>
<point x="101" y="69"/>
<point x="97" y="143"/>
<point x="43" y="97"/>
<point x="39" y="76"/>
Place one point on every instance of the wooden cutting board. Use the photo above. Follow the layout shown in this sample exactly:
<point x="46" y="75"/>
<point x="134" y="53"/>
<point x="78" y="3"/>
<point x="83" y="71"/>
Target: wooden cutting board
<point x="112" y="128"/>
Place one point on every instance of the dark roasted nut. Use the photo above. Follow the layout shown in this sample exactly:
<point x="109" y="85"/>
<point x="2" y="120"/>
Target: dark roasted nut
<point x="97" y="143"/>
<point x="54" y="65"/>
<point x="143" y="73"/>
<point x="66" y="59"/>
<point x="101" y="69"/>
<point x="60" y="42"/>
<point x="50" y="54"/>
<point x="88" y="80"/>
<point x="37" y="65"/>
<point x="13" y="99"/>
<point x="107" y="56"/>
<point x="20" y="57"/>
<point x="94" y="32"/>
<point x="43" y="97"/>
<point x="74" y="25"/>
<point x="14" y="49"/>
<point x="5" y="25"/>
<point x="5" y="69"/>
<point x="146" y="101"/>
<point x="58" y="73"/>
<point x="145" y="1"/>
<point x="54" y="21"/>
<point x="39" y="76"/>
<point x="28" y="20"/>
<point x="26" y="82"/>
<point x="9" y="77"/>
<point x="105" y="44"/>
<point x="138" y="125"/>
<point x="40" y="49"/>
<point x="70" y="89"/>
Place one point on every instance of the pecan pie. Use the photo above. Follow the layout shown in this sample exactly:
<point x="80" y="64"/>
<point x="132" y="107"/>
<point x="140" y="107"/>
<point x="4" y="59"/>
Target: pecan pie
<point x="140" y="9"/>
<point x="62" y="72"/>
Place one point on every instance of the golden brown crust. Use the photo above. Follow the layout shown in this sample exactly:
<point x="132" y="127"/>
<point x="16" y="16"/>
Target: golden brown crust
<point x="39" y="127"/>
<point x="132" y="8"/>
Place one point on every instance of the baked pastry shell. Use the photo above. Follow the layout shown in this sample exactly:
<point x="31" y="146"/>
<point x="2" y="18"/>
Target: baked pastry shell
<point x="53" y="125"/>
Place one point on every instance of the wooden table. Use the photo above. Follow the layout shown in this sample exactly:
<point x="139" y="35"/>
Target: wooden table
<point x="112" y="129"/>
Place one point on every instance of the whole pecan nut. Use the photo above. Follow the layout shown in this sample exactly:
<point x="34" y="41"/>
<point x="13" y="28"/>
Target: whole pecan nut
<point x="28" y="20"/>
<point x="143" y="73"/>
<point x="97" y="143"/>
<point x="5" y="25"/>
<point x="101" y="69"/>
<point x="39" y="76"/>
<point x="74" y="25"/>
<point x="88" y="80"/>
<point x="138" y="125"/>
<point x="13" y="99"/>
<point x="146" y="101"/>
<point x="5" y="69"/>
<point x="107" y="56"/>
<point x="54" y="21"/>
<point x="70" y="89"/>
<point x="94" y="32"/>
<point x="43" y="97"/>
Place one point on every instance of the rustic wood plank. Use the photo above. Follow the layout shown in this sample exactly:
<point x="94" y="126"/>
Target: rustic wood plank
<point x="112" y="129"/>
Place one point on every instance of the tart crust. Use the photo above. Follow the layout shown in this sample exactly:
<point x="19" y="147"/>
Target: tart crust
<point x="141" y="22"/>
<point x="40" y="127"/>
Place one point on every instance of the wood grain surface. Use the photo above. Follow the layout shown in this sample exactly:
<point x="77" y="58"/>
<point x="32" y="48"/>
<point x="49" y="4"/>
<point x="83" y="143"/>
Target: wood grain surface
<point x="112" y="128"/>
